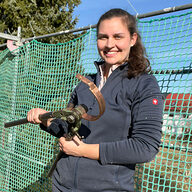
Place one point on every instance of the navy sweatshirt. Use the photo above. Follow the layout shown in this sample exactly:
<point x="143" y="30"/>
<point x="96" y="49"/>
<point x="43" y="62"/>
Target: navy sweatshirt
<point x="128" y="133"/>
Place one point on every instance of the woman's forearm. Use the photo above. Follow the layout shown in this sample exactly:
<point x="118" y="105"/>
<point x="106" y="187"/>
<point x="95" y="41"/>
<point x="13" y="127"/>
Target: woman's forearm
<point x="90" y="151"/>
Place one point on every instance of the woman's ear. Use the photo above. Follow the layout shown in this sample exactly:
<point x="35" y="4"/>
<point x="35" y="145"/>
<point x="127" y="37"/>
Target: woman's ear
<point x="133" y="39"/>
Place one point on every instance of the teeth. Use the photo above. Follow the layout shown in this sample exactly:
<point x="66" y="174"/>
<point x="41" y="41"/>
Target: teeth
<point x="111" y="53"/>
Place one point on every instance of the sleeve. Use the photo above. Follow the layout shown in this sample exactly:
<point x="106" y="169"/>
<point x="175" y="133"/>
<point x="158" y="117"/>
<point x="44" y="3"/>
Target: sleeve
<point x="73" y="98"/>
<point x="145" y="137"/>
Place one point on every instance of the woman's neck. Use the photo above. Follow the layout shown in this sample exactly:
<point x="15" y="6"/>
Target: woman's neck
<point x="108" y="69"/>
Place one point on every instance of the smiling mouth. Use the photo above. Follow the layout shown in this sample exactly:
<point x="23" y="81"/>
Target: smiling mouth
<point x="110" y="53"/>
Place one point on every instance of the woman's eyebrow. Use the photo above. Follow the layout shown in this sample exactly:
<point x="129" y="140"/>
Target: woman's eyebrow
<point x="103" y="34"/>
<point x="119" y="33"/>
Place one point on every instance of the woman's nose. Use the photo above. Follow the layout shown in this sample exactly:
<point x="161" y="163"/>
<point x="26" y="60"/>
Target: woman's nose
<point x="110" y="43"/>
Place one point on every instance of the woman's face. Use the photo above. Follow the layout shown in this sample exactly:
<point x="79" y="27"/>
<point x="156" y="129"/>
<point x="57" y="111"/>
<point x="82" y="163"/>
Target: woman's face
<point x="114" y="41"/>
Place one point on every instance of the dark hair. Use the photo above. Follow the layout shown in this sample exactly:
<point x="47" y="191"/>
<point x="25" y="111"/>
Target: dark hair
<point x="138" y="62"/>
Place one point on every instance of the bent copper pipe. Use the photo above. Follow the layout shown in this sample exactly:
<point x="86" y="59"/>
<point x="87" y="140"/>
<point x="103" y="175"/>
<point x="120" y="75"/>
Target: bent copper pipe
<point x="93" y="88"/>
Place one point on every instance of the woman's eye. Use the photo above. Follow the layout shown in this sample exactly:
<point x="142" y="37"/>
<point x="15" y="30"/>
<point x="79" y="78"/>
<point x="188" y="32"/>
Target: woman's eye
<point x="118" y="37"/>
<point x="102" y="38"/>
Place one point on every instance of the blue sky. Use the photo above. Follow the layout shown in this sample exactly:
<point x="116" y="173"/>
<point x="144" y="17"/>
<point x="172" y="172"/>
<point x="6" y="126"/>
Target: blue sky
<point x="89" y="11"/>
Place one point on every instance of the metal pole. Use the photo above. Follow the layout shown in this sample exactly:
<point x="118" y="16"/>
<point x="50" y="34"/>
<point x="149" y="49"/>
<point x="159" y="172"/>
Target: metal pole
<point x="62" y="32"/>
<point x="12" y="133"/>
<point x="19" y="42"/>
<point x="6" y="36"/>
<point x="164" y="11"/>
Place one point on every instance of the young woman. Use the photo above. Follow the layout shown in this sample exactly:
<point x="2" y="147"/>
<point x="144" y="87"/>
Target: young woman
<point x="129" y="131"/>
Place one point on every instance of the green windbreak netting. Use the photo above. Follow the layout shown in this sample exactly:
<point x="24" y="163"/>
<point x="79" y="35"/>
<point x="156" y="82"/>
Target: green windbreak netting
<point x="43" y="75"/>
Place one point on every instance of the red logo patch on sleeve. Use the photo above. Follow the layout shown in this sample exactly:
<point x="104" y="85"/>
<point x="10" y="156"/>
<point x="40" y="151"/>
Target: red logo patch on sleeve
<point x="155" y="102"/>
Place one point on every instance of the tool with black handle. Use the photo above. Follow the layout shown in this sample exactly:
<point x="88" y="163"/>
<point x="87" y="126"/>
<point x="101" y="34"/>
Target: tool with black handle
<point x="71" y="114"/>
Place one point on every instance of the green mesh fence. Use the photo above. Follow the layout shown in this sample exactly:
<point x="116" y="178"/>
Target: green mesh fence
<point x="43" y="75"/>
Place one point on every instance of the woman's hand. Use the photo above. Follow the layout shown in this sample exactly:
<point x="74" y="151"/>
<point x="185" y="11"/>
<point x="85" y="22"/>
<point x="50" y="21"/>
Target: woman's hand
<point x="73" y="147"/>
<point x="78" y="148"/>
<point x="33" y="116"/>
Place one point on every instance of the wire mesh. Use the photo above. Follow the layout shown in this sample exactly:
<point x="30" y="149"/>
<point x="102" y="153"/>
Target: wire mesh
<point x="43" y="75"/>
